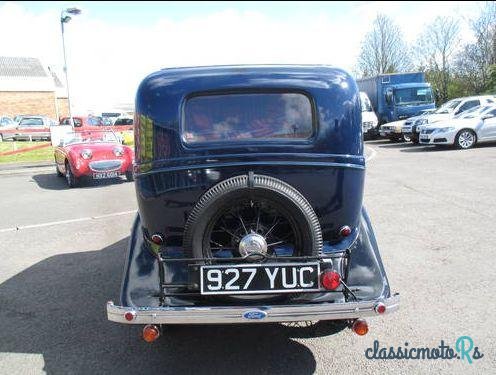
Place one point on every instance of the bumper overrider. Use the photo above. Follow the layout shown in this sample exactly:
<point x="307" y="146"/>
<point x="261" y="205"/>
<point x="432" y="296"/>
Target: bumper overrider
<point x="250" y="314"/>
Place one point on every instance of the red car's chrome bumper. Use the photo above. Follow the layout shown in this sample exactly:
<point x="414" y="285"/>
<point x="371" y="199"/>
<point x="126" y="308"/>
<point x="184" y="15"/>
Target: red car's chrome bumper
<point x="88" y="167"/>
<point x="246" y="314"/>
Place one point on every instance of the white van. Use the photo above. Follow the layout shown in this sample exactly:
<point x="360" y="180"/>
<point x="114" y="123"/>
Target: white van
<point x="369" y="119"/>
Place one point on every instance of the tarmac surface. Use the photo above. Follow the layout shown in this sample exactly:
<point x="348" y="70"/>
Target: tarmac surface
<point x="62" y="253"/>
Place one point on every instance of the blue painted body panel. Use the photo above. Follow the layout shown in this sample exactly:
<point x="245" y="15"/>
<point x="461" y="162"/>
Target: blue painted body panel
<point x="328" y="169"/>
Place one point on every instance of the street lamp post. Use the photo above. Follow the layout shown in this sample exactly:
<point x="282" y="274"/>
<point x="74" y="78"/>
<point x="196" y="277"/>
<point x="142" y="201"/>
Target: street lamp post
<point x="64" y="18"/>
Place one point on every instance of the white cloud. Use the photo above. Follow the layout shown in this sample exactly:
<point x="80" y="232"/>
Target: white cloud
<point x="107" y="61"/>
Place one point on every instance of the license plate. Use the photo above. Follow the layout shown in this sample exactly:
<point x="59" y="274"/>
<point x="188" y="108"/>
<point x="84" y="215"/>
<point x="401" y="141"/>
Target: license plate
<point x="259" y="278"/>
<point x="101" y="175"/>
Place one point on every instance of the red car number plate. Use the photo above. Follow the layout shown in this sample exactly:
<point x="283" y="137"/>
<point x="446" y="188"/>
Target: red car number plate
<point x="101" y="175"/>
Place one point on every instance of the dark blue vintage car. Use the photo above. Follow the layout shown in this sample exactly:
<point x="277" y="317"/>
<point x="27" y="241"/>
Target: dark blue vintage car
<point x="249" y="182"/>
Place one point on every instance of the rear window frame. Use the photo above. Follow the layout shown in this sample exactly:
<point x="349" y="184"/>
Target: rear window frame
<point x="247" y="142"/>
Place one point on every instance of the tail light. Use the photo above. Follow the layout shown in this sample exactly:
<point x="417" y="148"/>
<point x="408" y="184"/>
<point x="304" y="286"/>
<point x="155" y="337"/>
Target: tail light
<point x="151" y="333"/>
<point x="330" y="280"/>
<point x="130" y="315"/>
<point x="157" y="239"/>
<point x="345" y="231"/>
<point x="360" y="327"/>
<point x="380" y="308"/>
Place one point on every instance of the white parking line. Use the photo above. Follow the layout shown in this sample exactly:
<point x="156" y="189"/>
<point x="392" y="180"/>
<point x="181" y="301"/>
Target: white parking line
<point x="372" y="154"/>
<point x="369" y="157"/>
<point x="21" y="227"/>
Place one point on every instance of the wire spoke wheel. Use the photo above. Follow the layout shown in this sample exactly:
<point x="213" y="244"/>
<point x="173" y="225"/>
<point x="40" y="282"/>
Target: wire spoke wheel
<point x="251" y="226"/>
<point x="249" y="218"/>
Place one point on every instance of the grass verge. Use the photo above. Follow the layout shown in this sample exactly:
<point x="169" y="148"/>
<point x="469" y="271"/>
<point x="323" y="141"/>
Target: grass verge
<point x="42" y="154"/>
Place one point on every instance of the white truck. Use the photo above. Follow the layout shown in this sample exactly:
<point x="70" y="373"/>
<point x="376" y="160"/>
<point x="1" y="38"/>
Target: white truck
<point x="369" y="119"/>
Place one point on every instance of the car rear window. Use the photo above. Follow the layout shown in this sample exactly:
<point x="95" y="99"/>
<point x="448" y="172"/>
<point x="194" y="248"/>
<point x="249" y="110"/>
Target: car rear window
<point x="31" y="121"/>
<point x="247" y="117"/>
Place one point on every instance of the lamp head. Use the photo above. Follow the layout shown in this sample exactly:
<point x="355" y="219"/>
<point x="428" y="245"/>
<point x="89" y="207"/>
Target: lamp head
<point x="73" y="11"/>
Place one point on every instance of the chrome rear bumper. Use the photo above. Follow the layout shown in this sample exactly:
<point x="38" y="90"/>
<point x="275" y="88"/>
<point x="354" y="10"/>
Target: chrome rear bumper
<point x="249" y="314"/>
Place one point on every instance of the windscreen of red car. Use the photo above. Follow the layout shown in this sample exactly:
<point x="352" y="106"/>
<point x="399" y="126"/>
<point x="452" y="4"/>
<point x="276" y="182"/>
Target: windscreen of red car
<point x="245" y="117"/>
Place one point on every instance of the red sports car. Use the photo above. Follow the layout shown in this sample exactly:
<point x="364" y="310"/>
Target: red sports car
<point x="95" y="154"/>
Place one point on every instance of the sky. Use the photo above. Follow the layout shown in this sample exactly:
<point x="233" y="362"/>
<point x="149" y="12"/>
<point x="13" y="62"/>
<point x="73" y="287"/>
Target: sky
<point x="112" y="46"/>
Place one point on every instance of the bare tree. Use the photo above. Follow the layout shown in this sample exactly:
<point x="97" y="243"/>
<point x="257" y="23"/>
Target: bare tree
<point x="383" y="49"/>
<point x="435" y="51"/>
<point x="475" y="61"/>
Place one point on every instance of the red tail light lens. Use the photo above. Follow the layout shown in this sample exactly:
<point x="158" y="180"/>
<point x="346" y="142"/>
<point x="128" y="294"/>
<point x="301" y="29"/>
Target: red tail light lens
<point x="345" y="231"/>
<point x="380" y="308"/>
<point x="130" y="315"/>
<point x="330" y="280"/>
<point x="360" y="327"/>
<point x="157" y="239"/>
<point x="150" y="333"/>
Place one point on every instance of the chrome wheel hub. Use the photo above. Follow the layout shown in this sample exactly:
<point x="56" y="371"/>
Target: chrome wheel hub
<point x="252" y="243"/>
<point x="466" y="139"/>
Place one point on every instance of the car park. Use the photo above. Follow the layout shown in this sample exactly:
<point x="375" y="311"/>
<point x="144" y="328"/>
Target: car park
<point x="448" y="110"/>
<point x="250" y="202"/>
<point x="93" y="154"/>
<point x="476" y="125"/>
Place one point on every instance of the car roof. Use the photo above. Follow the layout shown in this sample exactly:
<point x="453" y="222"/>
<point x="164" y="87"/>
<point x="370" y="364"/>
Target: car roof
<point x="474" y="97"/>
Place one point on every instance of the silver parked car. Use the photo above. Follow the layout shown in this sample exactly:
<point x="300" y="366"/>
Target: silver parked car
<point x="34" y="128"/>
<point x="464" y="130"/>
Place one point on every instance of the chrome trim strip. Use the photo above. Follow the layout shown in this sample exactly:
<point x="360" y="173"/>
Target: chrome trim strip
<point x="235" y="314"/>
<point x="250" y="163"/>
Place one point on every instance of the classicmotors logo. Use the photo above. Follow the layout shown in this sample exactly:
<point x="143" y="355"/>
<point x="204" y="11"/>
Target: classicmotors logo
<point x="464" y="350"/>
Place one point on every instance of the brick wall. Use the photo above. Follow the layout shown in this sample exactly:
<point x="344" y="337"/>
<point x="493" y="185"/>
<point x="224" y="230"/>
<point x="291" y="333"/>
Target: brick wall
<point x="63" y="105"/>
<point x="28" y="103"/>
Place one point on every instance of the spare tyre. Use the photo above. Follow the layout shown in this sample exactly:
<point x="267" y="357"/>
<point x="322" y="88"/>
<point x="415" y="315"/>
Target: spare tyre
<point x="254" y="217"/>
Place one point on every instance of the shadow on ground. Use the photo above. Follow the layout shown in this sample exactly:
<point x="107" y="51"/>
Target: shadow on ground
<point x="57" y="308"/>
<point x="51" y="181"/>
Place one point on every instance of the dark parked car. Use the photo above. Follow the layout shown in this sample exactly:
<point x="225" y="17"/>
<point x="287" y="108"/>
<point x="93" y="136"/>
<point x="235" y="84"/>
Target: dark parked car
<point x="249" y="183"/>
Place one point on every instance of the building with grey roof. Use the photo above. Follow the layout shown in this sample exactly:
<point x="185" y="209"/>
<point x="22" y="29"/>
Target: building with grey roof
<point x="27" y="87"/>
